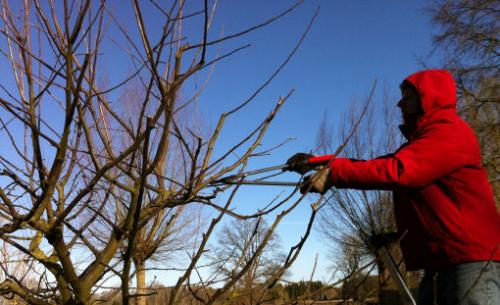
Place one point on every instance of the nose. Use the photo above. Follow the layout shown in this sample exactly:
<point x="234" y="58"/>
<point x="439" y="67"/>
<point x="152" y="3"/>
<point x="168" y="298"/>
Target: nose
<point x="400" y="103"/>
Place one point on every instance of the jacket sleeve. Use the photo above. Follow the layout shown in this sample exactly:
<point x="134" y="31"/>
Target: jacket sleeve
<point x="434" y="154"/>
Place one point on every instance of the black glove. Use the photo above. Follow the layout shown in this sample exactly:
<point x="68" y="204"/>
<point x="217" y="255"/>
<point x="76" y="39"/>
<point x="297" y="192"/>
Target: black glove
<point x="384" y="239"/>
<point x="298" y="163"/>
<point x="319" y="182"/>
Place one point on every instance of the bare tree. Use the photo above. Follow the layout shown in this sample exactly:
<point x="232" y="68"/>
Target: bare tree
<point x="468" y="36"/>
<point x="171" y="231"/>
<point x="168" y="234"/>
<point x="236" y="246"/>
<point x="17" y="263"/>
<point x="82" y="177"/>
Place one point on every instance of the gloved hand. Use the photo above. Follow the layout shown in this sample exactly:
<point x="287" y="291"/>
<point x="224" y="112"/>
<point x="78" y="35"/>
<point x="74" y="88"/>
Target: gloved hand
<point x="384" y="239"/>
<point x="298" y="163"/>
<point x="319" y="182"/>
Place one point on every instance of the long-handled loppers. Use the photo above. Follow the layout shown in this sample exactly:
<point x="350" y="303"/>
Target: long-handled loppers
<point x="306" y="163"/>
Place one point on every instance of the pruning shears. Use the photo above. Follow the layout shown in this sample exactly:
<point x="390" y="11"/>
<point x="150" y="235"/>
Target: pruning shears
<point x="302" y="164"/>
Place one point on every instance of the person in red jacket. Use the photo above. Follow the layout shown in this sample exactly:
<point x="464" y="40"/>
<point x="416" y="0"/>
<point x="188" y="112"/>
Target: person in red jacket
<point x="442" y="198"/>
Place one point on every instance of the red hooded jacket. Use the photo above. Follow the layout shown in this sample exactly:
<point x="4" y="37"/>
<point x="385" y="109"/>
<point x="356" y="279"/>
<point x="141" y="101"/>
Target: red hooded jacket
<point x="442" y="197"/>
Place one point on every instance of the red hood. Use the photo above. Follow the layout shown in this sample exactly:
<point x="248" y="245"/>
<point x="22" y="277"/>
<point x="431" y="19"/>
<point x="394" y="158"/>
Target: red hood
<point x="437" y="90"/>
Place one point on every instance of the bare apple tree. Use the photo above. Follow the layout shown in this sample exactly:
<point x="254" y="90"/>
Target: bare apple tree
<point x="84" y="181"/>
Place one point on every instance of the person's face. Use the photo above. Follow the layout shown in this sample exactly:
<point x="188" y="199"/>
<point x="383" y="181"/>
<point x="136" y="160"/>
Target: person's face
<point x="410" y="102"/>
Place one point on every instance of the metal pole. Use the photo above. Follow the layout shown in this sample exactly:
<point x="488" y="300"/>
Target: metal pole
<point x="264" y="170"/>
<point x="393" y="269"/>
<point x="268" y="183"/>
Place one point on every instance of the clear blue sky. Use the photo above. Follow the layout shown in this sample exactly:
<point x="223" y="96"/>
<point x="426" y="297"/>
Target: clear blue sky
<point x="350" y="44"/>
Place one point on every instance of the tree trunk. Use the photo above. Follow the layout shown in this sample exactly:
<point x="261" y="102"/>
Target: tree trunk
<point x="141" y="283"/>
<point x="384" y="281"/>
